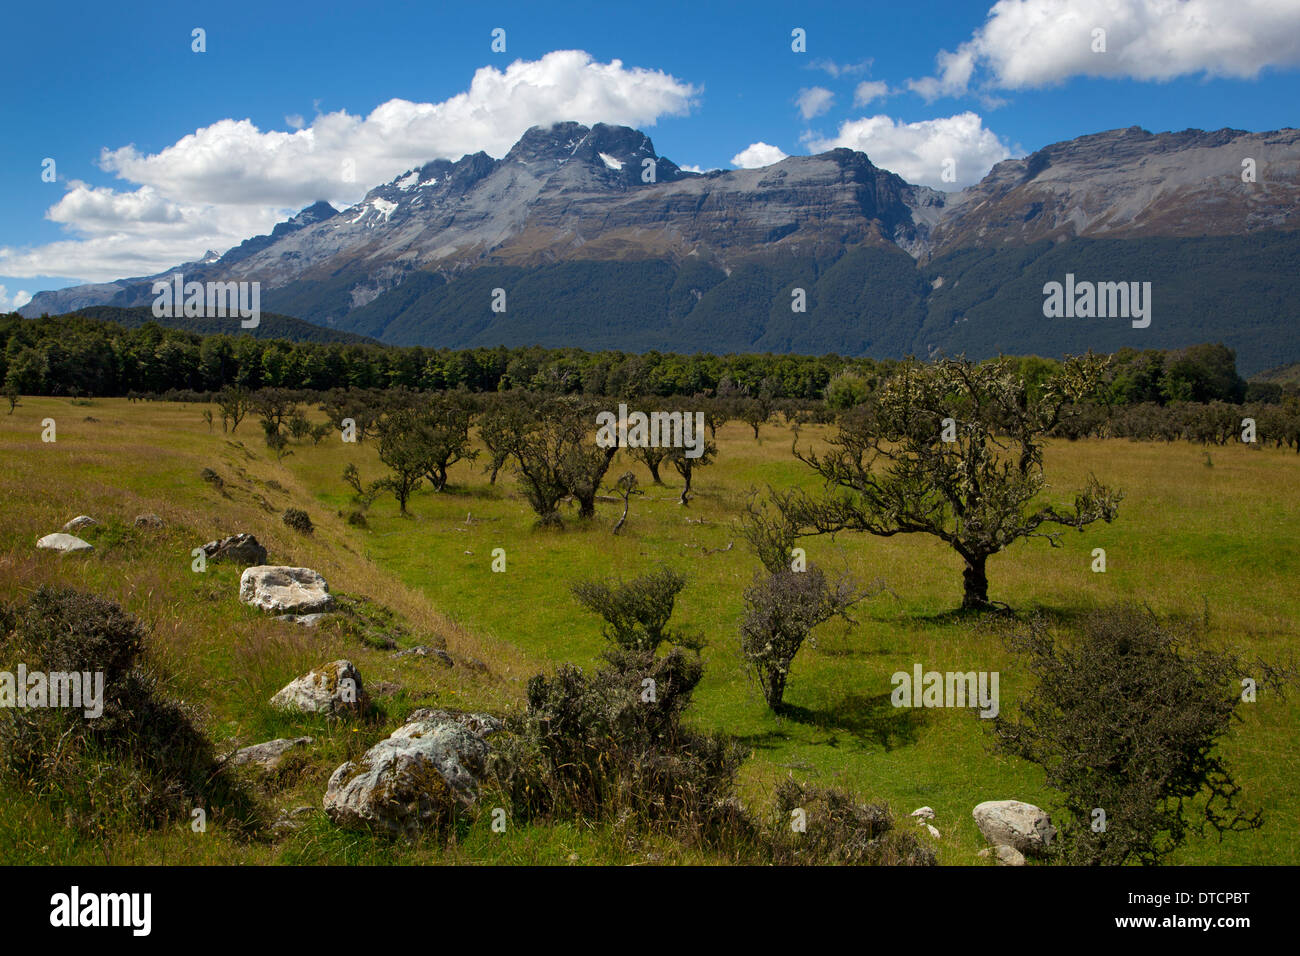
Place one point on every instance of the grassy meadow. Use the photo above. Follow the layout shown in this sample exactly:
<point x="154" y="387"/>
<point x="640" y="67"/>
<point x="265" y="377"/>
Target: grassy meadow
<point x="1196" y="529"/>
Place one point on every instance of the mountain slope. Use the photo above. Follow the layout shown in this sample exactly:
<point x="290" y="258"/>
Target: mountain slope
<point x="598" y="241"/>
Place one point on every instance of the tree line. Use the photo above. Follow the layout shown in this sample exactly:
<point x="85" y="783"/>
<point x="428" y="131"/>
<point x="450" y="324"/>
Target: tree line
<point x="78" y="356"/>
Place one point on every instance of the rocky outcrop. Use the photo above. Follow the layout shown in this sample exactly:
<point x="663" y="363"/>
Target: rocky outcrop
<point x="80" y="523"/>
<point x="269" y="755"/>
<point x="333" y="689"/>
<point x="417" y="778"/>
<point x="284" y="590"/>
<point x="1021" y="826"/>
<point x="237" y="549"/>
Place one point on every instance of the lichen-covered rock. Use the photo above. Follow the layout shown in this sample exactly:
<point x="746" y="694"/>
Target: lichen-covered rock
<point x="306" y="620"/>
<point x="151" y="521"/>
<point x="1022" y="826"/>
<point x="281" y="590"/>
<point x="335" y="688"/>
<point x="79" y="523"/>
<point x="415" y="779"/>
<point x="65" y="543"/>
<point x="237" y="549"/>
<point x="269" y="755"/>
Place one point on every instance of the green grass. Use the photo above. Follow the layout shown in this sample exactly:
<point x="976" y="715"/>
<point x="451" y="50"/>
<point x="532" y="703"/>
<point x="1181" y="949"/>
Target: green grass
<point x="1187" y="534"/>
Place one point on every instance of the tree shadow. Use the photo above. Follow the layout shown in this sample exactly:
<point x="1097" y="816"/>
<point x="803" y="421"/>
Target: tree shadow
<point x="871" y="718"/>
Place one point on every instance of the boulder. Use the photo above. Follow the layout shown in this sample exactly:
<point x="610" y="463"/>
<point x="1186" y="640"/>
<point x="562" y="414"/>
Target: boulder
<point x="923" y="813"/>
<point x="282" y="590"/>
<point x="416" y="778"/>
<point x="1012" y="823"/>
<point x="335" y="688"/>
<point x="306" y="620"/>
<point x="422" y="650"/>
<point x="151" y="521"/>
<point x="237" y="549"/>
<point x="79" y="523"/>
<point x="65" y="543"/>
<point x="268" y="756"/>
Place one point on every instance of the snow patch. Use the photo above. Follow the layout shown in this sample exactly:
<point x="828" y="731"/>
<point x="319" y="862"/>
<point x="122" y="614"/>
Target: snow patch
<point x="611" y="162"/>
<point x="409" y="180"/>
<point x="384" y="206"/>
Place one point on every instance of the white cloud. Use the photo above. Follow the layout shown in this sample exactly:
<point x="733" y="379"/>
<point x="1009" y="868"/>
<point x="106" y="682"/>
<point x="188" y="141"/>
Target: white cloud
<point x="756" y="155"/>
<point x="690" y="168"/>
<point x="919" y="151"/>
<point x="837" y="70"/>
<point x="295" y="121"/>
<point x="1036" y="43"/>
<point x="12" y="303"/>
<point x="230" y="180"/>
<point x="869" y="90"/>
<point x="814" y="101"/>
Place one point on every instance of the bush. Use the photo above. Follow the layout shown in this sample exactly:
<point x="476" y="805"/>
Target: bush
<point x="837" y="830"/>
<point x="636" y="612"/>
<point x="298" y="520"/>
<point x="781" y="610"/>
<point x="143" y="761"/>
<point x="610" y="744"/>
<point x="1127" y="718"/>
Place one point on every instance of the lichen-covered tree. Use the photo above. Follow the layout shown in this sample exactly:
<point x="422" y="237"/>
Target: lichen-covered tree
<point x="953" y="449"/>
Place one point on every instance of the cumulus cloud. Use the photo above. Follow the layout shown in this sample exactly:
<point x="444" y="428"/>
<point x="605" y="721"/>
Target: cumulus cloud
<point x="10" y="303"/>
<point x="230" y="180"/>
<point x="869" y="90"/>
<point x="757" y="154"/>
<point x="814" y="101"/>
<point x="920" y="152"/>
<point x="1035" y="43"/>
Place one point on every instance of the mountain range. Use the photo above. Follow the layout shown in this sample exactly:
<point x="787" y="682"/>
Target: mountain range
<point x="598" y="242"/>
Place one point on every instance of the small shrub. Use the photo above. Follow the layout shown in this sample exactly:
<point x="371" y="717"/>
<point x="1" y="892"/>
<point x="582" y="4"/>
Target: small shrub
<point x="837" y="830"/>
<point x="635" y="612"/>
<point x="298" y="520"/>
<point x="143" y="762"/>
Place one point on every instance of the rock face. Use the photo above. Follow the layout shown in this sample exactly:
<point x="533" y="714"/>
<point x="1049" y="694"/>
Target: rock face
<point x="269" y="755"/>
<point x="78" y="523"/>
<point x="281" y="590"/>
<point x="237" y="549"/>
<point x="66" y="543"/>
<point x="335" y="688"/>
<point x="417" y="778"/>
<point x="1022" y="826"/>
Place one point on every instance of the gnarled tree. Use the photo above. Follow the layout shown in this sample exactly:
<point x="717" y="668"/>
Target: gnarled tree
<point x="953" y="449"/>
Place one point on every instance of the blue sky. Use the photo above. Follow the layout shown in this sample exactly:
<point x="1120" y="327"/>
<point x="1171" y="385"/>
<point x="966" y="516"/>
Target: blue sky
<point x="162" y="152"/>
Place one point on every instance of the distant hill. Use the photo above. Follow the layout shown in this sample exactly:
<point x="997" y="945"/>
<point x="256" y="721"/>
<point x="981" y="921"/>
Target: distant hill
<point x="271" y="326"/>
<point x="1282" y="375"/>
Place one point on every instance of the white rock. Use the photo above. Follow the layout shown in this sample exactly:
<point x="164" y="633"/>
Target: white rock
<point x="268" y="755"/>
<point x="933" y="831"/>
<point x="79" y="522"/>
<point x="923" y="813"/>
<point x="1012" y="823"/>
<point x="331" y="689"/>
<point x="416" y="778"/>
<point x="1009" y="856"/>
<point x="282" y="590"/>
<point x="66" y="543"/>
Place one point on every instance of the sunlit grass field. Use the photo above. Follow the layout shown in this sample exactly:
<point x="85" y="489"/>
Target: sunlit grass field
<point x="1197" y="529"/>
